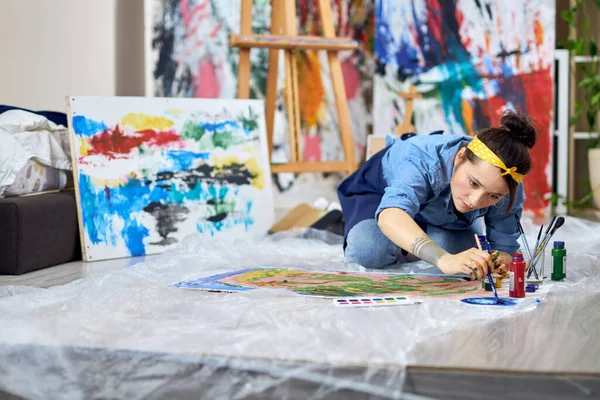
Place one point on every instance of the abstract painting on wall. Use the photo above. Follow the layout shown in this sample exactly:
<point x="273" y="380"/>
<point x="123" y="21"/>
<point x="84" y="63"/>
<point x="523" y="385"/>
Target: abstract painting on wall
<point x="471" y="60"/>
<point x="150" y="171"/>
<point x="188" y="55"/>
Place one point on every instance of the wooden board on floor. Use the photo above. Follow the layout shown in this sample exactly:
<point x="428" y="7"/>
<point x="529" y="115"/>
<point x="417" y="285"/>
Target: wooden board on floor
<point x="301" y="216"/>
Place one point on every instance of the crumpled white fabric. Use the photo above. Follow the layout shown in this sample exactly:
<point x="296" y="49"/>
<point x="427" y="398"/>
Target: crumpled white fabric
<point x="24" y="136"/>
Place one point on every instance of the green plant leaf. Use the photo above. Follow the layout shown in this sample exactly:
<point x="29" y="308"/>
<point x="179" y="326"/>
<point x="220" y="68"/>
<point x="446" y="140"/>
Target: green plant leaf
<point x="580" y="47"/>
<point x="591" y="119"/>
<point x="595" y="101"/>
<point x="576" y="114"/>
<point x="566" y="15"/>
<point x="589" y="82"/>
<point x="597" y="3"/>
<point x="573" y="119"/>
<point x="593" y="47"/>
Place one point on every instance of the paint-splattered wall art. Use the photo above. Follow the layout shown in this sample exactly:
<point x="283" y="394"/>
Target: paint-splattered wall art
<point x="189" y="56"/>
<point x="338" y="284"/>
<point x="471" y="60"/>
<point x="150" y="171"/>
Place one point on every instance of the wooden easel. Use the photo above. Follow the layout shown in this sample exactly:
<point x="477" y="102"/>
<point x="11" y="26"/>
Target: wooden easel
<point x="377" y="143"/>
<point x="410" y="97"/>
<point x="283" y="17"/>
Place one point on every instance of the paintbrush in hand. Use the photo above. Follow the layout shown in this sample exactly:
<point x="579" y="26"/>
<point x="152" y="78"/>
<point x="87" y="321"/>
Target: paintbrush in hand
<point x="489" y="274"/>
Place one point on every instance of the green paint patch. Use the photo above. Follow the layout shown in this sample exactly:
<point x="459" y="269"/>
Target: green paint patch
<point x="191" y="130"/>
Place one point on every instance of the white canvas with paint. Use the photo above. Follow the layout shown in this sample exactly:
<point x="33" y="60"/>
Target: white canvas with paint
<point x="150" y="171"/>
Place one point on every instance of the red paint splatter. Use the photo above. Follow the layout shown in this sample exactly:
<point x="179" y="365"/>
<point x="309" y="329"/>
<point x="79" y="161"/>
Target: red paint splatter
<point x="113" y="142"/>
<point x="435" y="23"/>
<point x="207" y="80"/>
<point x="352" y="82"/>
<point x="537" y="88"/>
<point x="312" y="147"/>
<point x="539" y="92"/>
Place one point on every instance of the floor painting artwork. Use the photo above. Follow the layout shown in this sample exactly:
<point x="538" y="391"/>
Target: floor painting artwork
<point x="332" y="284"/>
<point x="150" y="171"/>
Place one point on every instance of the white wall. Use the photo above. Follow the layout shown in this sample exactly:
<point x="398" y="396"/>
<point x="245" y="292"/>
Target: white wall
<point x="53" y="48"/>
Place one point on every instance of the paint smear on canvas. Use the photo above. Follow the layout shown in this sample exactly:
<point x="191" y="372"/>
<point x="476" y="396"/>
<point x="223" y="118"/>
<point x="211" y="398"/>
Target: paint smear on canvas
<point x="149" y="180"/>
<point x="191" y="57"/>
<point x="471" y="65"/>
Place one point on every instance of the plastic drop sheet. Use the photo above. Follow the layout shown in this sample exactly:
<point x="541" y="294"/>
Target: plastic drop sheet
<point x="128" y="334"/>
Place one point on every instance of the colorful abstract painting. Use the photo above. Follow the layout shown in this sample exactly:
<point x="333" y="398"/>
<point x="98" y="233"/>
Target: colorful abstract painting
<point x="150" y="171"/>
<point x="471" y="60"/>
<point x="189" y="56"/>
<point x="338" y="284"/>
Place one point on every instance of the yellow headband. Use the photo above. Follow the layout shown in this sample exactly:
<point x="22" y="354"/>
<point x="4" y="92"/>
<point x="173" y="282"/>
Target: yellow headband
<point x="483" y="152"/>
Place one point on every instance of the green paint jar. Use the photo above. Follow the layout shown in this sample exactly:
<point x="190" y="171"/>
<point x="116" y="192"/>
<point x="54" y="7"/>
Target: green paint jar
<point x="559" y="262"/>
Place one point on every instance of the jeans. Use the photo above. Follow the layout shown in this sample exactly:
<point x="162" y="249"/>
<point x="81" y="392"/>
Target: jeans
<point x="366" y="245"/>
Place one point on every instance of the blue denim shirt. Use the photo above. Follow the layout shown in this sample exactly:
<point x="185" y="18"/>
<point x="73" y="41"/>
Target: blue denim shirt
<point x="418" y="171"/>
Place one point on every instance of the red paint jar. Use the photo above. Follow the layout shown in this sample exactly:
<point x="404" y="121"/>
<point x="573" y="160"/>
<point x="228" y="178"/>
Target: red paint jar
<point x="517" y="276"/>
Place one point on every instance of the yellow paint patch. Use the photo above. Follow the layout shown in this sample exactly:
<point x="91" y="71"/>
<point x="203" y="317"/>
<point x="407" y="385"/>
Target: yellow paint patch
<point x="100" y="182"/>
<point x="538" y="29"/>
<point x="141" y="121"/>
<point x="467" y="113"/>
<point x="175" y="111"/>
<point x="251" y="165"/>
<point x="84" y="147"/>
<point x="310" y="88"/>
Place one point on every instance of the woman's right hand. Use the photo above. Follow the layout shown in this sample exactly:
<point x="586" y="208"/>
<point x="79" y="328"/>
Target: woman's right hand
<point x="472" y="262"/>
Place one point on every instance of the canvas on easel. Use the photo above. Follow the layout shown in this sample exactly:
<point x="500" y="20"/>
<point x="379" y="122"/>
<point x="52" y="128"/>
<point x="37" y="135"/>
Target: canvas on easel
<point x="150" y="171"/>
<point x="284" y="36"/>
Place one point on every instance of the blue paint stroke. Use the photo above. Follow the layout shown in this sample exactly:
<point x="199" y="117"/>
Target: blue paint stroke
<point x="102" y="204"/>
<point x="219" y="126"/>
<point x="490" y="301"/>
<point x="179" y="160"/>
<point x="213" y="282"/>
<point x="213" y="228"/>
<point x="134" y="235"/>
<point x="83" y="126"/>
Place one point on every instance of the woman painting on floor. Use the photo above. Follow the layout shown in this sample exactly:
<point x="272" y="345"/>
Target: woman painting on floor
<point x="422" y="198"/>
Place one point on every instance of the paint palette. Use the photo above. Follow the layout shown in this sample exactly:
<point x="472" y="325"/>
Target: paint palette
<point x="374" y="301"/>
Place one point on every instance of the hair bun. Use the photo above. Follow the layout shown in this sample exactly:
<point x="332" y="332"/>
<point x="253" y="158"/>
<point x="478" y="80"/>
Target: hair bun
<point x="520" y="125"/>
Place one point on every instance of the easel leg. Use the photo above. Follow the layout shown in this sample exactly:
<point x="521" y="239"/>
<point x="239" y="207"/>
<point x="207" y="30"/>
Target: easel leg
<point x="244" y="63"/>
<point x="291" y="79"/>
<point x="339" y="91"/>
<point x="272" y="75"/>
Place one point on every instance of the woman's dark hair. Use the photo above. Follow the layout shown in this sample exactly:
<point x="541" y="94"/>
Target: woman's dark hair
<point x="511" y="142"/>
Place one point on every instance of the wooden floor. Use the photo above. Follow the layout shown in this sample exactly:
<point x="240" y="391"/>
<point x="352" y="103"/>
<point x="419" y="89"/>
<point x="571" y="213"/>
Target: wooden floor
<point x="66" y="273"/>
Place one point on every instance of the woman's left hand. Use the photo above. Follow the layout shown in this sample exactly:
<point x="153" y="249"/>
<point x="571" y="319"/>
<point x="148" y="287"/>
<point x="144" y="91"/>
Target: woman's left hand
<point x="499" y="266"/>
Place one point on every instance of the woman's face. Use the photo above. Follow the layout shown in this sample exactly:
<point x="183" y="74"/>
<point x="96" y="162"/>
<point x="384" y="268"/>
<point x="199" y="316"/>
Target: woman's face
<point x="475" y="185"/>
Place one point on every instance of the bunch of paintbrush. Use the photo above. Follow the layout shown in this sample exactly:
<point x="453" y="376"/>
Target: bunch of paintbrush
<point x="525" y="244"/>
<point x="540" y="246"/>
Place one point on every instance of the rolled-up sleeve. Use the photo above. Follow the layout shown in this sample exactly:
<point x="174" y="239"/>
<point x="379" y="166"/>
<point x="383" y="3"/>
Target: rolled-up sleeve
<point x="409" y="180"/>
<point x="501" y="228"/>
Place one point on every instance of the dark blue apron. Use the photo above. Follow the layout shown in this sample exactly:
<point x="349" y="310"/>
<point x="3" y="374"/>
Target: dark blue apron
<point x="361" y="192"/>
